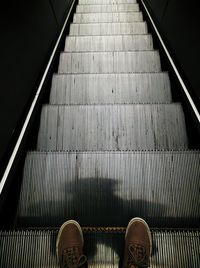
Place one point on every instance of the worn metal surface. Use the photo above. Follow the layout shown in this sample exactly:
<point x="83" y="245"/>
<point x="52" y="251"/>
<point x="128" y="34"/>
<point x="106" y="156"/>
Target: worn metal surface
<point x="37" y="249"/>
<point x="112" y="127"/>
<point x="107" y="8"/>
<point x="162" y="187"/>
<point x="110" y="62"/>
<point x="110" y="88"/>
<point x="108" y="28"/>
<point x="105" y="2"/>
<point x="108" y="43"/>
<point x="108" y="17"/>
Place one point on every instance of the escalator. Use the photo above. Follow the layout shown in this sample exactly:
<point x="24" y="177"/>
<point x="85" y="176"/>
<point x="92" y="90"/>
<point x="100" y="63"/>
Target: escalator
<point x="112" y="144"/>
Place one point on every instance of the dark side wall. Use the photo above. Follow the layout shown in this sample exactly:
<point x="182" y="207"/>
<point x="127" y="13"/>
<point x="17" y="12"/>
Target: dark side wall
<point x="179" y="24"/>
<point x="29" y="30"/>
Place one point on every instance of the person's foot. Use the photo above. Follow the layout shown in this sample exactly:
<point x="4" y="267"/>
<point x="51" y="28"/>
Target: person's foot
<point x="138" y="244"/>
<point x="69" y="245"/>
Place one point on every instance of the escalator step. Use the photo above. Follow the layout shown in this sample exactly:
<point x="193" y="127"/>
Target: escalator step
<point x="110" y="62"/>
<point x="107" y="8"/>
<point x="36" y="248"/>
<point x="112" y="127"/>
<point x="105" y="2"/>
<point x="107" y="189"/>
<point x="110" y="88"/>
<point x="108" y="43"/>
<point x="108" y="28"/>
<point x="108" y="17"/>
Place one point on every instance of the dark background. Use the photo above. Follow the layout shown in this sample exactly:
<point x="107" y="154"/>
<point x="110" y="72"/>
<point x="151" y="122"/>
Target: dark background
<point x="178" y="23"/>
<point x="29" y="30"/>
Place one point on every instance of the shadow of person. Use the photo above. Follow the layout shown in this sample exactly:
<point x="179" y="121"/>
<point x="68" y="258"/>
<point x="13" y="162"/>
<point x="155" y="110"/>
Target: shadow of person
<point x="94" y="202"/>
<point x="107" y="202"/>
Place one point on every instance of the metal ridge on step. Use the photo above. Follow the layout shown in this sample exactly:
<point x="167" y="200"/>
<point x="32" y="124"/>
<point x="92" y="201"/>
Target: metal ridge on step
<point x="107" y="2"/>
<point x="146" y="130"/>
<point x="101" y="229"/>
<point x="38" y="249"/>
<point x="108" y="28"/>
<point x="113" y="52"/>
<point x="133" y="183"/>
<point x="111" y="104"/>
<point x="107" y="8"/>
<point x="185" y="151"/>
<point x="110" y="62"/>
<point x="111" y="88"/>
<point x="89" y="74"/>
<point x="116" y="35"/>
<point x="109" y="43"/>
<point x="108" y="17"/>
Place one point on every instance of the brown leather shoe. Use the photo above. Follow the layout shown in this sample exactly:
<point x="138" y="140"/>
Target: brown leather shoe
<point x="138" y="244"/>
<point x="69" y="245"/>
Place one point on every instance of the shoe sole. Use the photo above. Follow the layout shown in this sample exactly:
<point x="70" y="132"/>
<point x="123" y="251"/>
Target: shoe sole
<point x="61" y="229"/>
<point x="137" y="219"/>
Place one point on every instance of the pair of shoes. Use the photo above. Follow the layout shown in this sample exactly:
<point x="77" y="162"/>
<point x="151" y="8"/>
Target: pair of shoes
<point x="138" y="245"/>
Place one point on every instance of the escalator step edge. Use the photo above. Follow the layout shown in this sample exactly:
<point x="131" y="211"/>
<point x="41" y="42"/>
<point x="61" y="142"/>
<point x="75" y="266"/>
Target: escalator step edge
<point x="36" y="248"/>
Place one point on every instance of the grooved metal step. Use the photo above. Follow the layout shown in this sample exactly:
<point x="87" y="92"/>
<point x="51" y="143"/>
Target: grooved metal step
<point x="110" y="88"/>
<point x="107" y="8"/>
<point x="112" y="127"/>
<point x="108" y="43"/>
<point x="108" y="17"/>
<point x="36" y="248"/>
<point x="160" y="186"/>
<point x="105" y="2"/>
<point x="110" y="62"/>
<point x="108" y="28"/>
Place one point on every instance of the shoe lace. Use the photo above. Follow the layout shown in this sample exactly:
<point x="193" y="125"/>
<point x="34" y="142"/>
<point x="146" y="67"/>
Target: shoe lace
<point x="137" y="256"/>
<point x="70" y="258"/>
